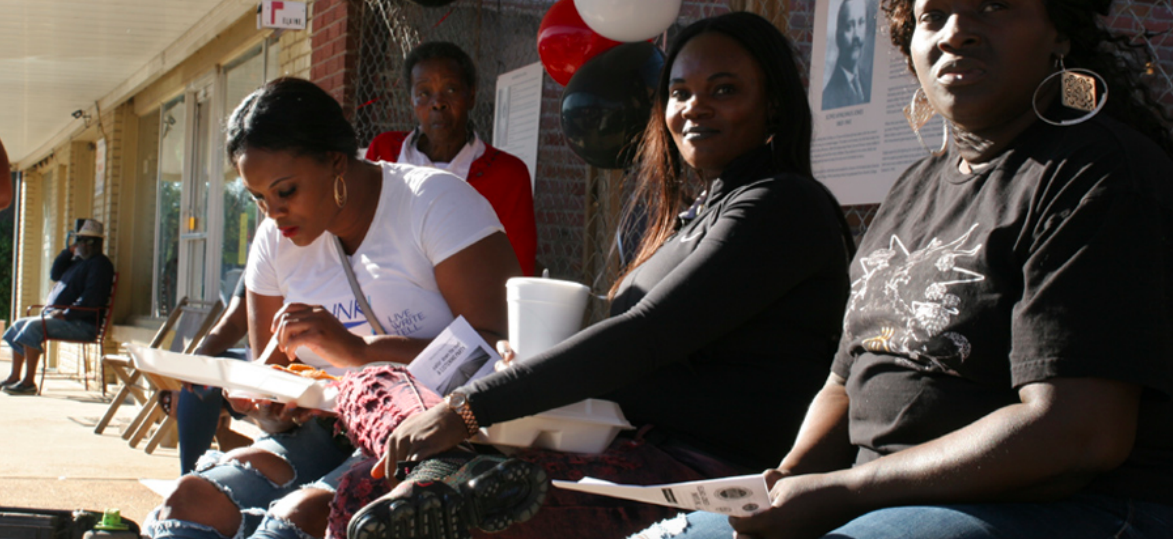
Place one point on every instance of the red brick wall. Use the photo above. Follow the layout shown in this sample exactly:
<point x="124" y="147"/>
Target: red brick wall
<point x="335" y="48"/>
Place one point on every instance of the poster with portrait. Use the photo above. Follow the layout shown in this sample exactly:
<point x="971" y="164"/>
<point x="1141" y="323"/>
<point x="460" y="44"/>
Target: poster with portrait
<point x="859" y="86"/>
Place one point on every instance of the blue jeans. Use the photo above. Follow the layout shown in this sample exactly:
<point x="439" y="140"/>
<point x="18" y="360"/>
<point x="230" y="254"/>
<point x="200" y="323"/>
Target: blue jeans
<point x="28" y="332"/>
<point x="197" y="413"/>
<point x="317" y="461"/>
<point x="1088" y="516"/>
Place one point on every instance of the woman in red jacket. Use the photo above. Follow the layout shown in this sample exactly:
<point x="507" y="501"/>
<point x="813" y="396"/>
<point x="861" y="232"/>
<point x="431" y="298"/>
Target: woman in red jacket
<point x="443" y="84"/>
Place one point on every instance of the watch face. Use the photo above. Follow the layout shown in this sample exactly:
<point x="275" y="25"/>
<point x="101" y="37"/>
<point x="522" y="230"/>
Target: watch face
<point x="456" y="400"/>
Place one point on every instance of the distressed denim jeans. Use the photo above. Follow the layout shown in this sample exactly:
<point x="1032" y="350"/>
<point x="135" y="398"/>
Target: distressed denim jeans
<point x="316" y="459"/>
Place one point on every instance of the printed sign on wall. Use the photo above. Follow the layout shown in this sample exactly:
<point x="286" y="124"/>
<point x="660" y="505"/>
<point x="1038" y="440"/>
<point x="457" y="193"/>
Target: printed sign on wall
<point x="859" y="86"/>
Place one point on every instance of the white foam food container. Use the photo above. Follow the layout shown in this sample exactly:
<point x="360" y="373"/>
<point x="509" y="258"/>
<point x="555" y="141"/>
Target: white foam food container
<point x="257" y="381"/>
<point x="583" y="427"/>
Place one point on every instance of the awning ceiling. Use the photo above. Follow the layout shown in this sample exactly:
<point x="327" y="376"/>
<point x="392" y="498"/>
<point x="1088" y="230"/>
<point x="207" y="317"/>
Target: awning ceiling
<point x="59" y="56"/>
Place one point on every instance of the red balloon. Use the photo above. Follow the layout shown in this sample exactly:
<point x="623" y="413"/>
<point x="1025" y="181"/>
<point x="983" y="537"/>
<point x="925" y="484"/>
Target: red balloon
<point x="565" y="42"/>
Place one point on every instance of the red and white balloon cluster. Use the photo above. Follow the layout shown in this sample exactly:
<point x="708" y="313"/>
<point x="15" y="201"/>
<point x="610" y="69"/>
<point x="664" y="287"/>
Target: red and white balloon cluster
<point x="599" y="50"/>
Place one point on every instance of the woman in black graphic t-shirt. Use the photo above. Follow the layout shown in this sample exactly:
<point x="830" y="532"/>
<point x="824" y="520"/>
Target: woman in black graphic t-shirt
<point x="1005" y="340"/>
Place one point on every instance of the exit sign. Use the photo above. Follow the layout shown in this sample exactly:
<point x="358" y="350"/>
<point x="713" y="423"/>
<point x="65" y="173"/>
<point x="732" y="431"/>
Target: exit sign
<point x="281" y="14"/>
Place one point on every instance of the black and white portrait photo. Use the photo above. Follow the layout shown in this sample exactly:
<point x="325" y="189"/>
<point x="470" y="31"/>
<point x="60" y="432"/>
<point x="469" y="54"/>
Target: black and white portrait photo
<point x="847" y="78"/>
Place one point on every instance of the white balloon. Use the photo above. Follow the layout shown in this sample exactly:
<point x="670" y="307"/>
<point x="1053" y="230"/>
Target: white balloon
<point x="628" y="20"/>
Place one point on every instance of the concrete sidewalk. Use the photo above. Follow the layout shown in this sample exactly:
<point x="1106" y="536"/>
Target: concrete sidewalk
<point x="51" y="458"/>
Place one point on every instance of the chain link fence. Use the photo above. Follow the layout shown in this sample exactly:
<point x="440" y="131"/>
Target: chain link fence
<point x="1148" y="23"/>
<point x="578" y="208"/>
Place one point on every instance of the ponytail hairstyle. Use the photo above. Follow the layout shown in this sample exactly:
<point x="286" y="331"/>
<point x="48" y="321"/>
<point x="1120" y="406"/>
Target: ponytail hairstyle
<point x="290" y="114"/>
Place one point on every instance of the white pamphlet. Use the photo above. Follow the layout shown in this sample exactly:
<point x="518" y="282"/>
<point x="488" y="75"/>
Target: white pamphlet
<point x="739" y="496"/>
<point x="456" y="356"/>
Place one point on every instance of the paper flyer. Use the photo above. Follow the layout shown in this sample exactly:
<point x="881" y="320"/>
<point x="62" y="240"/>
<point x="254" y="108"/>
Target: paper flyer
<point x="517" y="119"/>
<point x="458" y="354"/>
<point x="739" y="496"/>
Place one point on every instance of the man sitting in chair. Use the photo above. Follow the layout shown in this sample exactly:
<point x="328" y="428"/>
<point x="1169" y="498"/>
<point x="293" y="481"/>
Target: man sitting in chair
<point x="84" y="276"/>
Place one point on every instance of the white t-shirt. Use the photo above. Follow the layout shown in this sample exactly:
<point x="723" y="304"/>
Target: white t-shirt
<point x="424" y="216"/>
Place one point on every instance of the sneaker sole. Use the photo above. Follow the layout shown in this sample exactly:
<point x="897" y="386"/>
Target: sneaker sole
<point x="433" y="512"/>
<point x="511" y="492"/>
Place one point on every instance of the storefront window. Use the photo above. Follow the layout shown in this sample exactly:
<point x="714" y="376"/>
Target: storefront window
<point x="50" y="247"/>
<point x="241" y="77"/>
<point x="240" y="212"/>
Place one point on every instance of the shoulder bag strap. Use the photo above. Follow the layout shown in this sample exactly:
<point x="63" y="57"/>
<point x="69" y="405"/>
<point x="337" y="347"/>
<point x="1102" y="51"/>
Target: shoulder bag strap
<point x="358" y="295"/>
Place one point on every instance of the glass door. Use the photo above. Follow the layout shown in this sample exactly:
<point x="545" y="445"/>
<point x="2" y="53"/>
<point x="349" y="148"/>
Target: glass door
<point x="185" y="171"/>
<point x="206" y="218"/>
<point x="172" y="159"/>
<point x="193" y="226"/>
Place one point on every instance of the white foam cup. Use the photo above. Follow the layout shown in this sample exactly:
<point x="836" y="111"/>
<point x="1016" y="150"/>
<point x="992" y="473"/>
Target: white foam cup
<point x="543" y="312"/>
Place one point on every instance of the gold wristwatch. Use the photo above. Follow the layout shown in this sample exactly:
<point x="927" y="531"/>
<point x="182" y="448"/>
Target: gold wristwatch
<point x="458" y="402"/>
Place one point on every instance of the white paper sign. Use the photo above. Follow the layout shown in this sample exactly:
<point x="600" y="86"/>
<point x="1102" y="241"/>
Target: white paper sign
<point x="456" y="356"/>
<point x="518" y="116"/>
<point x="281" y="14"/>
<point x="739" y="496"/>
<point x="860" y="84"/>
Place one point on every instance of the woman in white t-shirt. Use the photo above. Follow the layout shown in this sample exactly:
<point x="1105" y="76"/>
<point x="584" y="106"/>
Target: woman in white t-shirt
<point x="423" y="246"/>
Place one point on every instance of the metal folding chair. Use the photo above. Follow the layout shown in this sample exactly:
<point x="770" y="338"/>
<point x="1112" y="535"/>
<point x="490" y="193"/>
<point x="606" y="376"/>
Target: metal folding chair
<point x="99" y="340"/>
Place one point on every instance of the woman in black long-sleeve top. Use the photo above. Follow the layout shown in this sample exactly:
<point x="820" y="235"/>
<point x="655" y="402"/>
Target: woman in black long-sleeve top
<point x="730" y="311"/>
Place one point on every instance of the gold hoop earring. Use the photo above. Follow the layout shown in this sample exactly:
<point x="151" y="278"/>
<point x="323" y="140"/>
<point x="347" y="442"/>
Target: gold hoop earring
<point x="918" y="112"/>
<point x="1077" y="91"/>
<point x="339" y="191"/>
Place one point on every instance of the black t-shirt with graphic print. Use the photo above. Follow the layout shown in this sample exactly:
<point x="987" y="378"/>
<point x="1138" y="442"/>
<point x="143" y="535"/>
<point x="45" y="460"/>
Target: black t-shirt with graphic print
<point x="1054" y="260"/>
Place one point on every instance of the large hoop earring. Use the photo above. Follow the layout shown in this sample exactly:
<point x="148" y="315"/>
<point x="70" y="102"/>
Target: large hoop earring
<point x="1078" y="91"/>
<point x="339" y="191"/>
<point x="918" y="112"/>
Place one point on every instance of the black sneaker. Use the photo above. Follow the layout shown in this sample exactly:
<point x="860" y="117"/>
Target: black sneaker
<point x="443" y="498"/>
<point x="21" y="389"/>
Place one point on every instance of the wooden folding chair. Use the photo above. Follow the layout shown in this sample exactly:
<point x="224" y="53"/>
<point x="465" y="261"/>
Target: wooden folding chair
<point x="195" y="321"/>
<point x="99" y="340"/>
<point x="186" y="326"/>
<point x="129" y="378"/>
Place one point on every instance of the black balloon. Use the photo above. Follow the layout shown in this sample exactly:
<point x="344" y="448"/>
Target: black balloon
<point x="433" y="3"/>
<point x="608" y="101"/>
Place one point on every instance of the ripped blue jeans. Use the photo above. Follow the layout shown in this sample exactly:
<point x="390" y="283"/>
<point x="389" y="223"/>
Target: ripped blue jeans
<point x="316" y="459"/>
